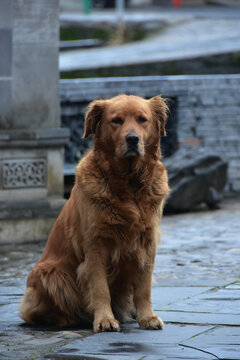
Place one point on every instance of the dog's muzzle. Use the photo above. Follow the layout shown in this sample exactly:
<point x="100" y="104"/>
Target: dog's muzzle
<point x="132" y="141"/>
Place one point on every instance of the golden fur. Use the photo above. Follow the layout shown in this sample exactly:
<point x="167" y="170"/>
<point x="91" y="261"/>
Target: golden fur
<point x="99" y="258"/>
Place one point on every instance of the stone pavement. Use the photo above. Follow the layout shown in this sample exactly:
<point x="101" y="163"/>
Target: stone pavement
<point x="196" y="292"/>
<point x="186" y="34"/>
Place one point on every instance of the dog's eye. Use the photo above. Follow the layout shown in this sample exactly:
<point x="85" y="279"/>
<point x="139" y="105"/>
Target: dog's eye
<point x="141" y="119"/>
<point x="117" y="120"/>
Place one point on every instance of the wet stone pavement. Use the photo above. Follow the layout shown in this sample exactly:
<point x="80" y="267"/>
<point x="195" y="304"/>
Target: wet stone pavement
<point x="196" y="292"/>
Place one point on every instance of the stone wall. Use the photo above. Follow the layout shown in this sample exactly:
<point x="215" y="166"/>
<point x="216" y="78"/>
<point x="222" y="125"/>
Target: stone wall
<point x="208" y="108"/>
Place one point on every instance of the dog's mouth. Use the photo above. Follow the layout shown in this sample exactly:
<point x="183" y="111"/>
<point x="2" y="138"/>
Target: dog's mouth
<point x="132" y="152"/>
<point x="133" y="146"/>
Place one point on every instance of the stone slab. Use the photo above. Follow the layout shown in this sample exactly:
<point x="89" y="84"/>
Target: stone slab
<point x="9" y="312"/>
<point x="5" y="14"/>
<point x="21" y="342"/>
<point x="5" y="103"/>
<point x="132" y="343"/>
<point x="221" y="341"/>
<point x="222" y="301"/>
<point x="198" y="317"/>
<point x="28" y="221"/>
<point x="25" y="230"/>
<point x="200" y="306"/>
<point x="164" y="296"/>
<point x="35" y="22"/>
<point x="175" y="342"/>
<point x="35" y="106"/>
<point x="28" y="138"/>
<point x="5" y="52"/>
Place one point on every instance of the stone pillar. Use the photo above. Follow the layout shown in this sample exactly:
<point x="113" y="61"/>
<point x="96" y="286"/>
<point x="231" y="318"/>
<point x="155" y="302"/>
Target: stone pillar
<point x="31" y="140"/>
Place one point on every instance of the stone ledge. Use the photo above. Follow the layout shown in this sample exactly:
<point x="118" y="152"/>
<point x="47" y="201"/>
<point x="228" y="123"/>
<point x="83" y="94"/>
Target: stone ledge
<point x="75" y="90"/>
<point x="28" y="221"/>
<point x="33" y="138"/>
<point x="32" y="209"/>
<point x="20" y="231"/>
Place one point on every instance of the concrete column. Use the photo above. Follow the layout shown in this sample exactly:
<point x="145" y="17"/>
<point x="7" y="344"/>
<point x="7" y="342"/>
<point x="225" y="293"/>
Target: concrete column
<point x="31" y="140"/>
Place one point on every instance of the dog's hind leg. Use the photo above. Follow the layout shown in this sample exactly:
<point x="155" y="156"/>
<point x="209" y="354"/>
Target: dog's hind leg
<point x="51" y="297"/>
<point x="38" y="308"/>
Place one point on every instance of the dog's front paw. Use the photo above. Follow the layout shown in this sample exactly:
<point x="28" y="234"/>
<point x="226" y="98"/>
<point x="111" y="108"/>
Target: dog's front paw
<point x="106" y="324"/>
<point x="151" y="323"/>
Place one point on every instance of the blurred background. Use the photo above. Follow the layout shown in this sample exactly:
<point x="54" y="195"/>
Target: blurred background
<point x="171" y="33"/>
<point x="188" y="50"/>
<point x="57" y="56"/>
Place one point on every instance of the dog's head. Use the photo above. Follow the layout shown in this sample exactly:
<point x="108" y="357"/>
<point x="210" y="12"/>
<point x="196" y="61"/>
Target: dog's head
<point x="127" y="126"/>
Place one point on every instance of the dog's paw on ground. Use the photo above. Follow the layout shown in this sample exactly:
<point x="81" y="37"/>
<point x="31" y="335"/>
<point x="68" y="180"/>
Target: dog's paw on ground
<point x="151" y="323"/>
<point x="106" y="324"/>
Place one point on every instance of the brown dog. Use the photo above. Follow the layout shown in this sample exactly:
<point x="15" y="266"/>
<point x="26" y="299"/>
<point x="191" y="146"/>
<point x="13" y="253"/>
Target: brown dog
<point x="99" y="258"/>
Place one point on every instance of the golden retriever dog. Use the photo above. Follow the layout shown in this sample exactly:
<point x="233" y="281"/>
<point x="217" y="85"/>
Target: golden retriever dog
<point x="99" y="258"/>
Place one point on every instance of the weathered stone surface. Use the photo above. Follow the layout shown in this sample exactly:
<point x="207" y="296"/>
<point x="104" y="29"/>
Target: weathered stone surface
<point x="195" y="177"/>
<point x="5" y="103"/>
<point x="6" y="14"/>
<point x="31" y="28"/>
<point x="5" y="52"/>
<point x="208" y="108"/>
<point x="28" y="221"/>
<point x="35" y="23"/>
<point x="34" y="155"/>
<point x="31" y="140"/>
<point x="133" y="343"/>
<point x="196" y="292"/>
<point x="35" y="106"/>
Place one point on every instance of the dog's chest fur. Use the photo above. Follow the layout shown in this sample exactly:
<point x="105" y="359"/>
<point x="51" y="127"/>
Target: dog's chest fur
<point x="126" y="215"/>
<point x="128" y="208"/>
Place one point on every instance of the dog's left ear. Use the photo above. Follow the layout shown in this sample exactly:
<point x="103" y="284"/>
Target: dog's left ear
<point x="93" y="116"/>
<point x="160" y="112"/>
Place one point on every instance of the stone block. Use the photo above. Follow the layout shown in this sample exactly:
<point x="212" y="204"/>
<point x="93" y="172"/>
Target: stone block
<point x="35" y="22"/>
<point x="5" y="103"/>
<point x="31" y="165"/>
<point x="35" y="87"/>
<point x="195" y="176"/>
<point x="208" y="100"/>
<point x="133" y="343"/>
<point x="23" y="174"/>
<point x="5" y="52"/>
<point x="25" y="230"/>
<point x="31" y="183"/>
<point x="5" y="14"/>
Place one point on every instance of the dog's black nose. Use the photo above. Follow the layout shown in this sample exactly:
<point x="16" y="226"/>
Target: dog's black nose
<point x="132" y="138"/>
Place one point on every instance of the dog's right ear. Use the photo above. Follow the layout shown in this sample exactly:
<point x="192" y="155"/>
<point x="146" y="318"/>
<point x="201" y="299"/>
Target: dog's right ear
<point x="160" y="111"/>
<point x="93" y="116"/>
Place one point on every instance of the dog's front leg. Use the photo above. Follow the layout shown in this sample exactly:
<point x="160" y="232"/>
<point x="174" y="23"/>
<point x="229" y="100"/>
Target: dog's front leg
<point x="142" y="300"/>
<point x="92" y="276"/>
